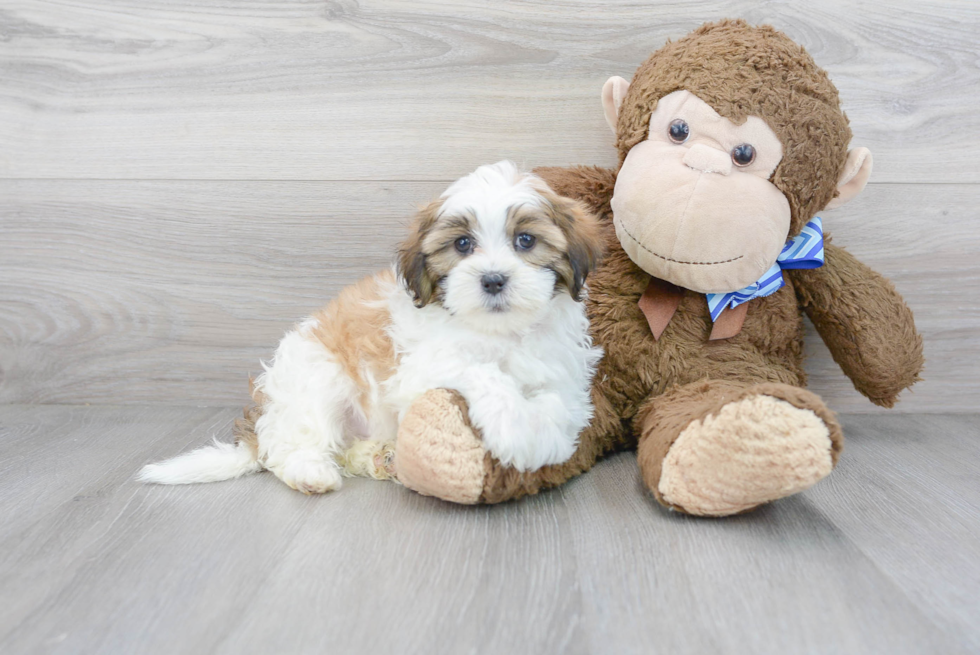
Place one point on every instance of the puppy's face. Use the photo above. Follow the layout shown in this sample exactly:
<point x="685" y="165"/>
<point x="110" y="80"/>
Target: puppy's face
<point x="496" y="248"/>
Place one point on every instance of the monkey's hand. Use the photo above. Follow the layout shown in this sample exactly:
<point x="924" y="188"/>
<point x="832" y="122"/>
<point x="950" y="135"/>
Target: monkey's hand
<point x="865" y="323"/>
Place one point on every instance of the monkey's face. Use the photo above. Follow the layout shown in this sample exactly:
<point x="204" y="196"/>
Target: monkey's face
<point x="693" y="204"/>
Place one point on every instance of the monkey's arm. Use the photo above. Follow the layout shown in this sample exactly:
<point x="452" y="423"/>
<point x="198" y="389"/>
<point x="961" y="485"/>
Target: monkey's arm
<point x="590" y="184"/>
<point x="864" y="322"/>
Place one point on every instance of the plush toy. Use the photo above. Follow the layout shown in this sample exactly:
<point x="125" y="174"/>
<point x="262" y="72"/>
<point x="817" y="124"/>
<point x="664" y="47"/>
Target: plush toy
<point x="730" y="141"/>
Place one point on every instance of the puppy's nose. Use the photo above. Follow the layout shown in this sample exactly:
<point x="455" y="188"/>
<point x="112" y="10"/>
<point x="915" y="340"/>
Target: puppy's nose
<point x="493" y="283"/>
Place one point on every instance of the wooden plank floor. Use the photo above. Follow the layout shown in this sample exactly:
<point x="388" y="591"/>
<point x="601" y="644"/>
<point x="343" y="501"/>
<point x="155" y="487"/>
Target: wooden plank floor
<point x="883" y="557"/>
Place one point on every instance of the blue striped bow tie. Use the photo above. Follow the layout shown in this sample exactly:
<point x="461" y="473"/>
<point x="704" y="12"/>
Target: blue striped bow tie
<point x="803" y="251"/>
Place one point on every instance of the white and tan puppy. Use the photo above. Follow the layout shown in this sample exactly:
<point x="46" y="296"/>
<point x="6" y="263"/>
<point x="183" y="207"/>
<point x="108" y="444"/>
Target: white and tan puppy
<point x="485" y="300"/>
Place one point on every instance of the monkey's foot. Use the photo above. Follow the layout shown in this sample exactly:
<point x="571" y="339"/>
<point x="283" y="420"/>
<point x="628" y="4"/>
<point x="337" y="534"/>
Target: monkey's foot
<point x="738" y="448"/>
<point x="437" y="452"/>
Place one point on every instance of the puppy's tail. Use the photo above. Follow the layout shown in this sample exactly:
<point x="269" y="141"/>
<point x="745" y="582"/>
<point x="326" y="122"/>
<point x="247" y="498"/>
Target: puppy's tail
<point x="219" y="461"/>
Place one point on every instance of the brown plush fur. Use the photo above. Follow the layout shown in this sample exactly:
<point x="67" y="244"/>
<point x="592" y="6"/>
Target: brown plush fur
<point x="865" y="323"/>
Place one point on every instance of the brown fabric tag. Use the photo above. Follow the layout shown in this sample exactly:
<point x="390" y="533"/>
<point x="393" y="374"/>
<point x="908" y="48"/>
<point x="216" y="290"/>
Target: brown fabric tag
<point x="658" y="303"/>
<point x="729" y="323"/>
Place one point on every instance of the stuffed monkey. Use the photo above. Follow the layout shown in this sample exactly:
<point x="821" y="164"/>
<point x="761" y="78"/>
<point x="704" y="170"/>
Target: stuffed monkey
<point x="730" y="141"/>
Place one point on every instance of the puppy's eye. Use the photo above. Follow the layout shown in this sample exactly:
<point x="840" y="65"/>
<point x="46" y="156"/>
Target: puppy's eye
<point x="678" y="131"/>
<point x="524" y="241"/>
<point x="464" y="245"/>
<point x="743" y="154"/>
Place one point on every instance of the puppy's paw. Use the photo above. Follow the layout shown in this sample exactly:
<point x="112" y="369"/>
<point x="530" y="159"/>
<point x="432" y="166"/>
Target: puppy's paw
<point x="528" y="447"/>
<point x="309" y="472"/>
<point x="528" y="441"/>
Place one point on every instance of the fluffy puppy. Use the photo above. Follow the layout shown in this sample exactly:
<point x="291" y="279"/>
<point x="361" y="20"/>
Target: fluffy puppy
<point x="485" y="299"/>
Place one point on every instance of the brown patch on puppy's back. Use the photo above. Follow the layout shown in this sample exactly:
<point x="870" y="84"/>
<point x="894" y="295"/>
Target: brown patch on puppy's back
<point x="354" y="329"/>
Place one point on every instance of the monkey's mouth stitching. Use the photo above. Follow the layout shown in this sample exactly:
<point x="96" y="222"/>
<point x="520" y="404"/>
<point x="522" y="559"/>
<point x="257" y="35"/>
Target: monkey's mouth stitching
<point x="668" y="259"/>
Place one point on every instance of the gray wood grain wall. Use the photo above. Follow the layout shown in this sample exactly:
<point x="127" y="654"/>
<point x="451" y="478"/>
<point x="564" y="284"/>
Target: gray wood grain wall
<point x="180" y="182"/>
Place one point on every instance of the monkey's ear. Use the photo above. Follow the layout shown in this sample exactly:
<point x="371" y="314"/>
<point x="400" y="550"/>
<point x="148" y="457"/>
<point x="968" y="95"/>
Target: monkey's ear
<point x="613" y="93"/>
<point x="857" y="170"/>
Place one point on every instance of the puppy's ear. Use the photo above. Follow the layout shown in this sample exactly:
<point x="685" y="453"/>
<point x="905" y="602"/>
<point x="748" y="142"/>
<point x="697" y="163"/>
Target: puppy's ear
<point x="584" y="250"/>
<point x="412" y="267"/>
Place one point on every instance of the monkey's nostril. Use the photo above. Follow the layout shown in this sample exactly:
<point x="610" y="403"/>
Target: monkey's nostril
<point x="493" y="283"/>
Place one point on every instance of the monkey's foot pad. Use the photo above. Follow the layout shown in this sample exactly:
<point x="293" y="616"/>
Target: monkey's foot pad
<point x="437" y="452"/>
<point x="753" y="451"/>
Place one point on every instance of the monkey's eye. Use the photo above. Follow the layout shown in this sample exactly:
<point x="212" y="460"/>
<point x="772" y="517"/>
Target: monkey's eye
<point x="678" y="131"/>
<point x="524" y="241"/>
<point x="743" y="154"/>
<point x="464" y="245"/>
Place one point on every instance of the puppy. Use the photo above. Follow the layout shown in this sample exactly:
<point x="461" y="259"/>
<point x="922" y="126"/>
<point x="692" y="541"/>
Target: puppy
<point x="485" y="299"/>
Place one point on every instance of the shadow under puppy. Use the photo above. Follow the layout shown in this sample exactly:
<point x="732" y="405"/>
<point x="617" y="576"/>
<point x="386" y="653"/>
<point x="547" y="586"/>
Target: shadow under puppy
<point x="485" y="300"/>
